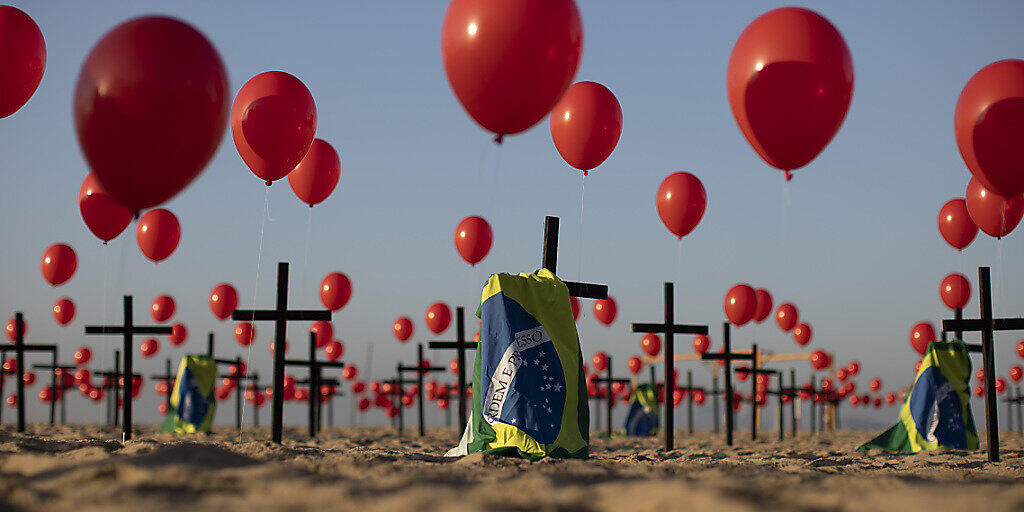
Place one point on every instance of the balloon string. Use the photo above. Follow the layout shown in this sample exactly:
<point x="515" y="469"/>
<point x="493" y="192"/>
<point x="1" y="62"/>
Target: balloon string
<point x="583" y="196"/>
<point x="255" y="289"/>
<point x="999" y="273"/>
<point x="305" y="258"/>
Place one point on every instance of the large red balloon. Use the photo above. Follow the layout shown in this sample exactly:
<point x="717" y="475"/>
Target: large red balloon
<point x="324" y="332"/>
<point x="802" y="334"/>
<point x="245" y="333"/>
<point x="223" y="300"/>
<point x="58" y="264"/>
<point x="650" y="344"/>
<point x="605" y="310"/>
<point x="994" y="214"/>
<point x="790" y="81"/>
<point x="764" y="305"/>
<point x="989" y="125"/>
<point x="956" y="225"/>
<point x="22" y="59"/>
<point x="586" y="124"/>
<point x="510" y="62"/>
<point x="158" y="233"/>
<point x="316" y="175"/>
<point x="402" y="329"/>
<point x="104" y="216"/>
<point x="955" y="291"/>
<point x="150" y="108"/>
<point x="63" y="310"/>
<point x="438" y="317"/>
<point x="681" y="202"/>
<point x="786" y="316"/>
<point x="473" y="238"/>
<point x="740" y="304"/>
<point x="163" y="308"/>
<point x="920" y="336"/>
<point x="273" y="121"/>
<point x="335" y="291"/>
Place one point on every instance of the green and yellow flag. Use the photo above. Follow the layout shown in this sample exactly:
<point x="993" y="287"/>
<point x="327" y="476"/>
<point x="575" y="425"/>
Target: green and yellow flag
<point x="936" y="412"/>
<point x="529" y="398"/>
<point x="192" y="400"/>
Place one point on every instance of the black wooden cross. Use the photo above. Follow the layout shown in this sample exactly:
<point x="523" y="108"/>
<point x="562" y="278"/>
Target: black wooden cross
<point x="549" y="260"/>
<point x="460" y="345"/>
<point x="314" y="399"/>
<point x="55" y="387"/>
<point x="128" y="330"/>
<point x="19" y="348"/>
<point x="689" y="389"/>
<point x="117" y="384"/>
<point x="608" y="381"/>
<point x="727" y="356"/>
<point x="986" y="324"/>
<point x="168" y="378"/>
<point x="280" y="316"/>
<point x="397" y="390"/>
<point x="315" y="376"/>
<point x="669" y="328"/>
<point x="237" y="363"/>
<point x="754" y="371"/>
<point x="239" y="380"/>
<point x="420" y="370"/>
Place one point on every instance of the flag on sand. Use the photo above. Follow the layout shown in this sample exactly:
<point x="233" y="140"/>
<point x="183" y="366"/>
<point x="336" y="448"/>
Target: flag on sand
<point x="642" y="419"/>
<point x="529" y="397"/>
<point x="936" y="412"/>
<point x="192" y="402"/>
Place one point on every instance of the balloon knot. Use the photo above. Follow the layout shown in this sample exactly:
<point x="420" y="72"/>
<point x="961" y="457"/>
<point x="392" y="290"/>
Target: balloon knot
<point x="586" y="172"/>
<point x="269" y="183"/>
<point x="310" y="205"/>
<point x="135" y="215"/>
<point x="104" y="242"/>
<point x="789" y="175"/>
<point x="499" y="138"/>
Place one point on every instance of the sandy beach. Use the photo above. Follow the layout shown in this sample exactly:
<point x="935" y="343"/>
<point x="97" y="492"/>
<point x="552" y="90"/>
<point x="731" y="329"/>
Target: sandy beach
<point x="86" y="468"/>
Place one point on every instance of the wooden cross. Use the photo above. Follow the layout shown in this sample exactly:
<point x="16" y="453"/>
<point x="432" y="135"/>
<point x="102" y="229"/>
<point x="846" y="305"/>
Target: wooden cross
<point x="168" y="379"/>
<point x="236" y="362"/>
<point x="420" y="370"/>
<point x="669" y="328"/>
<point x="55" y="370"/>
<point x="281" y="315"/>
<point x="689" y="389"/>
<point x="315" y="376"/>
<point x="727" y="356"/>
<point x="986" y="324"/>
<point x="396" y="396"/>
<point x="315" y="406"/>
<point x="608" y="381"/>
<point x="19" y="348"/>
<point x="117" y="384"/>
<point x="549" y="260"/>
<point x="460" y="345"/>
<point x="128" y="330"/>
<point x="754" y="372"/>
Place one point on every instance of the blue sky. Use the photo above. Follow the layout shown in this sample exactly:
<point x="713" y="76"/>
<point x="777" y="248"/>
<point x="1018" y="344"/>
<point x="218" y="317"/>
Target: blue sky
<point x="852" y="240"/>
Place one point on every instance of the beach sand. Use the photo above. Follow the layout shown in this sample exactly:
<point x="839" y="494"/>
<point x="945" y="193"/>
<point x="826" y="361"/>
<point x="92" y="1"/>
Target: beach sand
<point x="86" y="468"/>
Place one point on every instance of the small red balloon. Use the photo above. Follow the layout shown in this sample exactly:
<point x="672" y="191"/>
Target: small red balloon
<point x="586" y="124"/>
<point x="273" y="121"/>
<point x="989" y="125"/>
<point x="179" y="334"/>
<point x="635" y="365"/>
<point x="349" y="373"/>
<point x="955" y="224"/>
<point x="324" y="332"/>
<point x="701" y="343"/>
<point x="335" y="291"/>
<point x="11" y="329"/>
<point x="820" y="360"/>
<point x="58" y="264"/>
<point x="223" y="300"/>
<point x="82" y="356"/>
<point x="876" y="384"/>
<point x="163" y="308"/>
<point x="920" y="336"/>
<point x="1000" y="385"/>
<point x="764" y="305"/>
<point x="681" y="201"/>
<point x="994" y="214"/>
<point x="402" y="329"/>
<point x="245" y="333"/>
<point x="22" y="60"/>
<point x="473" y="239"/>
<point x="842" y="374"/>
<point x="1020" y="348"/>
<point x="890" y="398"/>
<point x="574" y="304"/>
<point x="600" y="361"/>
<point x="63" y="311"/>
<point x="334" y="350"/>
<point x="955" y="291"/>
<point x="438" y="317"/>
<point x="158" y="233"/>
<point x="104" y="216"/>
<point x="317" y="174"/>
<point x="1016" y="373"/>
<point x="605" y="310"/>
<point x="650" y="344"/>
<point x="786" y="316"/>
<point x="149" y="348"/>
<point x="802" y="334"/>
<point x="853" y="368"/>
<point x="740" y="304"/>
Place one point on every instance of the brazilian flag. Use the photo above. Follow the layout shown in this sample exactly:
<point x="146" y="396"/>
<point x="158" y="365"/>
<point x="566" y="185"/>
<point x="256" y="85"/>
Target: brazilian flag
<point x="192" y="401"/>
<point x="936" y="412"/>
<point x="532" y="399"/>
<point x="642" y="419"/>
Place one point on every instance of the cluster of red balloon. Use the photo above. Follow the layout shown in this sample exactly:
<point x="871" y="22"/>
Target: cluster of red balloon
<point x="743" y="303"/>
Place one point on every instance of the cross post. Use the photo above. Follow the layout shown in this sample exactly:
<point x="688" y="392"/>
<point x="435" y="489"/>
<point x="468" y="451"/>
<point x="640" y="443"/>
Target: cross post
<point x="608" y="381"/>
<point x="460" y="345"/>
<point x="727" y="356"/>
<point x="420" y="370"/>
<point x="168" y="379"/>
<point x="19" y="348"/>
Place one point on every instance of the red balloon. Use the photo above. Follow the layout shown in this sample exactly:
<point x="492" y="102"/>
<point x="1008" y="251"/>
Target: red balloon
<point x="82" y="356"/>
<point x="920" y="336"/>
<point x="876" y="384"/>
<point x="955" y="291"/>
<point x="790" y="81"/>
<point x="1016" y="372"/>
<point x="158" y="233"/>
<point x="764" y="305"/>
<point x="802" y="334"/>
<point x="272" y="342"/>
<point x="63" y="310"/>
<point x="364" y="404"/>
<point x="853" y="367"/>
<point x="245" y="333"/>
<point x="605" y="310"/>
<point x="335" y="291"/>
<point x="316" y="175"/>
<point x="1020" y="348"/>
<point x="324" y="331"/>
<point x="890" y="398"/>
<point x="179" y="334"/>
<point x="22" y="59"/>
<point x="1000" y="385"/>
<point x="600" y="361"/>
<point x="989" y="125"/>
<point x="58" y="264"/>
<point x="697" y="396"/>
<point x="994" y="214"/>
<point x="510" y="62"/>
<point x="402" y="329"/>
<point x="740" y="304"/>
<point x="786" y="316"/>
<point x="334" y="350"/>
<point x="223" y="300"/>
<point x="104" y="216"/>
<point x="149" y="348"/>
<point x="956" y="225"/>
<point x="701" y="343"/>
<point x="438" y="317"/>
<point x="842" y="374"/>
<point x="150" y="109"/>
<point x="273" y="121"/>
<point x="163" y="308"/>
<point x="742" y="376"/>
<point x="980" y="375"/>
<point x="650" y="344"/>
<point x="681" y="202"/>
<point x="349" y="373"/>
<point x="586" y="124"/>
<point x="635" y="365"/>
<point x="820" y="360"/>
<point x="574" y="304"/>
<point x="473" y="238"/>
<point x="10" y="329"/>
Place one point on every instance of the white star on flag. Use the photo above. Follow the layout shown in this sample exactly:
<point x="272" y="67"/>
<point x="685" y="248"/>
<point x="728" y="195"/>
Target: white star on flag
<point x="544" y="367"/>
<point x="558" y="387"/>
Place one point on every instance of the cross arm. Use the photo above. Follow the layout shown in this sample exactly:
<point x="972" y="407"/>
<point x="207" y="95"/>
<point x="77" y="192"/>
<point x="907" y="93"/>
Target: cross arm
<point x="734" y="356"/>
<point x="587" y="290"/>
<point x="28" y="348"/>
<point x="975" y="324"/>
<point x="404" y="368"/>
<point x="676" y="328"/>
<point x="759" y="371"/>
<point x="469" y="345"/>
<point x="270" y="314"/>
